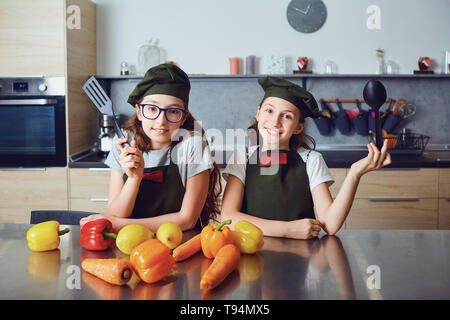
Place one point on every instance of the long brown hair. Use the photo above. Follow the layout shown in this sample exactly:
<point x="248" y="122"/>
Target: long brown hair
<point x="211" y="207"/>
<point x="296" y="141"/>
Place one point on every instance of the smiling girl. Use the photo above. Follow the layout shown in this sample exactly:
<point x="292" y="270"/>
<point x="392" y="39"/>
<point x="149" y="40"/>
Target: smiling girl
<point x="293" y="200"/>
<point x="167" y="173"/>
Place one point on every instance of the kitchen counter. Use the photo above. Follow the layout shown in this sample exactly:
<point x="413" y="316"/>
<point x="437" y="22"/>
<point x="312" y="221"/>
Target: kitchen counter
<point x="333" y="158"/>
<point x="356" y="264"/>
<point x="428" y="159"/>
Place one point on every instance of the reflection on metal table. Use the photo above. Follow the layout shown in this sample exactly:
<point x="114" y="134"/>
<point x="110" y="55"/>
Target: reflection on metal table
<point x="355" y="264"/>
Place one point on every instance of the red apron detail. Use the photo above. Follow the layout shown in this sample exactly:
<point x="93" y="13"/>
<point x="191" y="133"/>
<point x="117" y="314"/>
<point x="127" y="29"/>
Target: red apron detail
<point x="156" y="176"/>
<point x="273" y="159"/>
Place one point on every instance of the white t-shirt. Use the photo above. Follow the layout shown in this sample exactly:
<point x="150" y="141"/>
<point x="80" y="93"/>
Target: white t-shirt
<point x="316" y="167"/>
<point x="192" y="156"/>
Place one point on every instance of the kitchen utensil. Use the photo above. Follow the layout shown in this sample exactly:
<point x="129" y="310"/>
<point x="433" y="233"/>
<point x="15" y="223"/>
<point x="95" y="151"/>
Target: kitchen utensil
<point x="407" y="111"/>
<point x="102" y="102"/>
<point x="324" y="121"/>
<point x="341" y="120"/>
<point x="349" y="113"/>
<point x="391" y="104"/>
<point x="325" y="113"/>
<point x="358" y="105"/>
<point x="407" y="143"/>
<point x="374" y="94"/>
<point x="360" y="122"/>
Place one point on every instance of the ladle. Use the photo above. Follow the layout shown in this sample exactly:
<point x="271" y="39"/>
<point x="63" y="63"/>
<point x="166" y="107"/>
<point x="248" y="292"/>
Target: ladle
<point x="375" y="96"/>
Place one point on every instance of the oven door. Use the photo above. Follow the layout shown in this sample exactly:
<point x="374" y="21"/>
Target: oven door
<point x="32" y="131"/>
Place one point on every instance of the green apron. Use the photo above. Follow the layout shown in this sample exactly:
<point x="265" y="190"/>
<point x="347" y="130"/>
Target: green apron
<point x="282" y="196"/>
<point x="161" y="191"/>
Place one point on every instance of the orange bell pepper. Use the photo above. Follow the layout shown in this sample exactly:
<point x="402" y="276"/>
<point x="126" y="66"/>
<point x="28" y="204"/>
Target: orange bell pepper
<point x="214" y="237"/>
<point x="152" y="260"/>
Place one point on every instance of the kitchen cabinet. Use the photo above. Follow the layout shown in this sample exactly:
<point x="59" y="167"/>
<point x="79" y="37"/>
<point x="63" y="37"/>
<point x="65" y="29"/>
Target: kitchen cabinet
<point x="444" y="213"/>
<point x="339" y="175"/>
<point x="399" y="183"/>
<point x="395" y="214"/>
<point x="444" y="198"/>
<point x="40" y="38"/>
<point x="396" y="199"/>
<point x="89" y="189"/>
<point x="32" y="38"/>
<point x="22" y="191"/>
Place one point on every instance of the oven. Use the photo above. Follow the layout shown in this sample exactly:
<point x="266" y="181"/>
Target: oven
<point x="32" y="122"/>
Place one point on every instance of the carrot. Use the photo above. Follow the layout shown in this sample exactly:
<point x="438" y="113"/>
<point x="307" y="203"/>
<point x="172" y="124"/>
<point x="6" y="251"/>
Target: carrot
<point x="115" y="271"/>
<point x="226" y="260"/>
<point x="187" y="249"/>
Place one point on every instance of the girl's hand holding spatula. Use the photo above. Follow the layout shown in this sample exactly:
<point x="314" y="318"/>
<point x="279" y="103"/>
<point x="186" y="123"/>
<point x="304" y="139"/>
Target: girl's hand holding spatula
<point x="131" y="159"/>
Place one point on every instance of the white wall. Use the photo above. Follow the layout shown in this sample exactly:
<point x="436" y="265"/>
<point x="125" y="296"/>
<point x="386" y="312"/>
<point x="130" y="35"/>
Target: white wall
<point x="200" y="35"/>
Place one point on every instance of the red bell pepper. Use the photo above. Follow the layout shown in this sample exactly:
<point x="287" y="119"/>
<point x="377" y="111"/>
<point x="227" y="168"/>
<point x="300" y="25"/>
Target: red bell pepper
<point x="97" y="234"/>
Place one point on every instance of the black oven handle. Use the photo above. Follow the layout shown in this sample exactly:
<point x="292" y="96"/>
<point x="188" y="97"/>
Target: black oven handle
<point x="28" y="102"/>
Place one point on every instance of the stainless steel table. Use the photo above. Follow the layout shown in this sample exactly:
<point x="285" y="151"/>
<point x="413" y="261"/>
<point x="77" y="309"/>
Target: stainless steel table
<point x="356" y="264"/>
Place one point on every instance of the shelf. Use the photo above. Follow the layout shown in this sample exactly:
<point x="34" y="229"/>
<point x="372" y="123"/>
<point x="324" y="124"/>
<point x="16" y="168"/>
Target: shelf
<point x="290" y="76"/>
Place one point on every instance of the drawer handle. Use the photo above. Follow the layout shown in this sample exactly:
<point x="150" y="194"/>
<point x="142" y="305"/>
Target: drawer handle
<point x="394" y="199"/>
<point x="99" y="199"/>
<point x="99" y="169"/>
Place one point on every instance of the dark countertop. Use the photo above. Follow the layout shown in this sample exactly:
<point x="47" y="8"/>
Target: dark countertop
<point x="428" y="159"/>
<point x="355" y="264"/>
<point x="333" y="158"/>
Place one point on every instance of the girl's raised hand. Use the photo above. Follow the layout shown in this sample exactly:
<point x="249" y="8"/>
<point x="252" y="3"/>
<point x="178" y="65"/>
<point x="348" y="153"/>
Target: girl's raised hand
<point x="375" y="159"/>
<point x="131" y="159"/>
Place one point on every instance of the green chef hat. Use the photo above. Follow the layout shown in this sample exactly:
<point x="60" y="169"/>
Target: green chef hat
<point x="165" y="78"/>
<point x="280" y="88"/>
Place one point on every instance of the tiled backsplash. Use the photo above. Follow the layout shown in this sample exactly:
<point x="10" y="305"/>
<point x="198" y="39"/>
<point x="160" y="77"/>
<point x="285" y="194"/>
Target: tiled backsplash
<point x="224" y="102"/>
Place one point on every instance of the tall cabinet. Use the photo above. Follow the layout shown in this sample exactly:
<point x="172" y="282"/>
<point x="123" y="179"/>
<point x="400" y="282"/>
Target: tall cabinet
<point x="52" y="38"/>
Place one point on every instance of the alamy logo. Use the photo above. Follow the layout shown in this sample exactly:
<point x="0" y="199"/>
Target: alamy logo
<point x="374" y="280"/>
<point x="74" y="18"/>
<point x="374" y="19"/>
<point x="73" y="281"/>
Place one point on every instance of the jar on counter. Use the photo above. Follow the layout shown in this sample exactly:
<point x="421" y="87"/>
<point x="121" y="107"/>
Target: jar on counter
<point x="148" y="56"/>
<point x="380" y="61"/>
<point x="124" y="69"/>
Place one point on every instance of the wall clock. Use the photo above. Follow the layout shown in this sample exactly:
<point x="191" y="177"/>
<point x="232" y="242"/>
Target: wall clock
<point x="306" y="16"/>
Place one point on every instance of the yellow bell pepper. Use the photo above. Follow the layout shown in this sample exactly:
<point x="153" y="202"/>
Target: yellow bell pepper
<point x="248" y="237"/>
<point x="44" y="236"/>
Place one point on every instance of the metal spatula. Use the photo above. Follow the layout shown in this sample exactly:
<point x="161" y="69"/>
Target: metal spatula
<point x="102" y="102"/>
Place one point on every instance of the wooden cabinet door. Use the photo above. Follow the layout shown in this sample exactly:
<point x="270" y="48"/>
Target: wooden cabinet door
<point x="89" y="189"/>
<point x="444" y="213"/>
<point x="400" y="214"/>
<point x="444" y="183"/>
<point x="416" y="183"/>
<point x="96" y="205"/>
<point x="32" y="37"/>
<point x="339" y="175"/>
<point x="22" y="191"/>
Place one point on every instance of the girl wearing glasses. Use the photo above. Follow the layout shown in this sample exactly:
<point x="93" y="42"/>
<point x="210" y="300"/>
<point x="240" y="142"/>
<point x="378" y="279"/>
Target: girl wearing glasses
<point x="167" y="173"/>
<point x="282" y="184"/>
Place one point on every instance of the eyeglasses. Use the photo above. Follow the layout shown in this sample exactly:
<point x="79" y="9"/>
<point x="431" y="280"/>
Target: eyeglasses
<point x="151" y="112"/>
